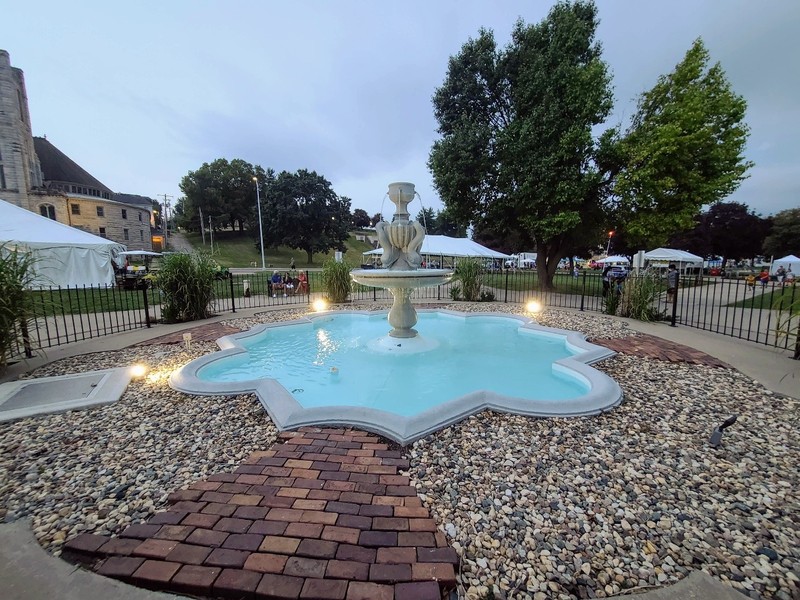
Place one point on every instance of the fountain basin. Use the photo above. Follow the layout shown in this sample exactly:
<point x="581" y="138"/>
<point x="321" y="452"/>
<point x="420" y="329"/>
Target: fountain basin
<point x="409" y="279"/>
<point x="354" y="392"/>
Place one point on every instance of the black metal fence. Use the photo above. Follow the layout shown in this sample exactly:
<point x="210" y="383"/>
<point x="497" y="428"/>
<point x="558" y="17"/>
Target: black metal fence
<point x="766" y="314"/>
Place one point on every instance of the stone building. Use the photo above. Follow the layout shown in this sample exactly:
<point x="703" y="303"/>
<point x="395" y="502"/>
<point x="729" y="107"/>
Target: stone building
<point x="37" y="176"/>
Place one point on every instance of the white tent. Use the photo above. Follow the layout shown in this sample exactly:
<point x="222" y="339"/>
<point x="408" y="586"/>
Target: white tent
<point x="666" y="256"/>
<point x="443" y="245"/>
<point x="787" y="262"/>
<point x="614" y="260"/>
<point x="64" y="256"/>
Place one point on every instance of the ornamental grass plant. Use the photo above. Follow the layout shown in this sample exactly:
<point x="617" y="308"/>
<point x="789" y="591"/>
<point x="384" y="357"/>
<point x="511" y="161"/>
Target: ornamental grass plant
<point x="639" y="295"/>
<point x="16" y="306"/>
<point x="336" y="281"/>
<point x="186" y="284"/>
<point x="469" y="272"/>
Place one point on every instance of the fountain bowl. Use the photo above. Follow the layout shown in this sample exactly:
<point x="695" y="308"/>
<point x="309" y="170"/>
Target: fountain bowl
<point x="401" y="279"/>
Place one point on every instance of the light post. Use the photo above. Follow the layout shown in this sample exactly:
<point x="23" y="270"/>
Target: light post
<point x="608" y="245"/>
<point x="260" y="229"/>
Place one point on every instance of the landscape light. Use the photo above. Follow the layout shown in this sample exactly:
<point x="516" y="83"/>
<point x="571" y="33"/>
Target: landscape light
<point x="139" y="370"/>
<point x="320" y="305"/>
<point x="533" y="306"/>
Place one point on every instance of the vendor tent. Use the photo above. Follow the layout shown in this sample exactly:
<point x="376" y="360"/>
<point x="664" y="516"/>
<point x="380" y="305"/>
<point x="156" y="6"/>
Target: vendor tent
<point x="63" y="256"/>
<point x="680" y="258"/>
<point x="787" y="262"/>
<point x="614" y="260"/>
<point x="443" y="245"/>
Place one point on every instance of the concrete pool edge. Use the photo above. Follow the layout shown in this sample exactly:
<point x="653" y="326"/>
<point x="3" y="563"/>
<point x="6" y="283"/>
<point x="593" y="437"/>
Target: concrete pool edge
<point x="287" y="413"/>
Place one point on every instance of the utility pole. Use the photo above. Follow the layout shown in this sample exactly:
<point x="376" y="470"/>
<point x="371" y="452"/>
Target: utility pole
<point x="202" y="228"/>
<point x="165" y="220"/>
<point x="211" y="233"/>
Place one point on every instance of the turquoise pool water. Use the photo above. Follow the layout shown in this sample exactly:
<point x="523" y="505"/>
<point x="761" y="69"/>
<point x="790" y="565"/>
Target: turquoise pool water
<point x="333" y="361"/>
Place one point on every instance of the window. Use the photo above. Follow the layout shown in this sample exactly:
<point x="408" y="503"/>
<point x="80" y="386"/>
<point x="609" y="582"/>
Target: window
<point x="75" y="208"/>
<point x="101" y="211"/>
<point x="48" y="210"/>
<point x="125" y="234"/>
<point x="141" y="235"/>
<point x="125" y="214"/>
<point x="140" y="217"/>
<point x="2" y="177"/>
<point x="103" y="232"/>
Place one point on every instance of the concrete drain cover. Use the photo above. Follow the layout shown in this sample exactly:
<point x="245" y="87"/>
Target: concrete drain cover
<point x="29" y="397"/>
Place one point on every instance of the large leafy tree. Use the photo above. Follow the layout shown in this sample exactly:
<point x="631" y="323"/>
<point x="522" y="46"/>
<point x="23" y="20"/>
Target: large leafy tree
<point x="360" y="218"/>
<point x="516" y="153"/>
<point x="727" y="229"/>
<point x="684" y="149"/>
<point x="784" y="237"/>
<point x="302" y="211"/>
<point x="221" y="190"/>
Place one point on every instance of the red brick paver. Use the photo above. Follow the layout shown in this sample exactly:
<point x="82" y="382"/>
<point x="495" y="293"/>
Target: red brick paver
<point x="650" y="346"/>
<point x="324" y="513"/>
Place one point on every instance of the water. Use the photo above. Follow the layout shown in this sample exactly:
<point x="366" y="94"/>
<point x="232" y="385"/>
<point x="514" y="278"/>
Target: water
<point x="329" y="362"/>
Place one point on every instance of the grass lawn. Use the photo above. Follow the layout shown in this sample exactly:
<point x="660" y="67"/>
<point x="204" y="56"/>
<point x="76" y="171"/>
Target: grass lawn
<point x="782" y="299"/>
<point x="90" y="300"/>
<point x="563" y="282"/>
<point x="235" y="249"/>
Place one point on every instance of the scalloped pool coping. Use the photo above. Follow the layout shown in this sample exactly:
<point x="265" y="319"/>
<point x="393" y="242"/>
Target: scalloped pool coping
<point x="604" y="393"/>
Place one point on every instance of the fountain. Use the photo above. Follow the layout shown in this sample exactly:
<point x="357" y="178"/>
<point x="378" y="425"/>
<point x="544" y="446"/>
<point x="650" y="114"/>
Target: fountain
<point x="401" y="241"/>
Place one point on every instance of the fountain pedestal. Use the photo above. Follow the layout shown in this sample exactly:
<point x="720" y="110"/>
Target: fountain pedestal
<point x="401" y="241"/>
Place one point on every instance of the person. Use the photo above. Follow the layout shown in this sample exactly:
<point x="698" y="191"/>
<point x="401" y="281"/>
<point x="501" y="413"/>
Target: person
<point x="789" y="278"/>
<point x="763" y="277"/>
<point x="672" y="282"/>
<point x="291" y="264"/>
<point x="302" y="283"/>
<point x="277" y="282"/>
<point x="606" y="280"/>
<point x="780" y="274"/>
<point x="575" y="272"/>
<point x="288" y="284"/>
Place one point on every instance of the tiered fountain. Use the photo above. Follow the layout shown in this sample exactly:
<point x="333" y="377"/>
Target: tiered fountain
<point x="401" y="274"/>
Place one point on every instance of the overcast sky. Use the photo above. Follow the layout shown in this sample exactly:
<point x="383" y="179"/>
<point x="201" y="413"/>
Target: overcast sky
<point x="140" y="93"/>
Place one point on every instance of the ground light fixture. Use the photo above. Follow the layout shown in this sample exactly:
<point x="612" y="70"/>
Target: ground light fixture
<point x="319" y="305"/>
<point x="716" y="435"/>
<point x="533" y="306"/>
<point x="139" y="370"/>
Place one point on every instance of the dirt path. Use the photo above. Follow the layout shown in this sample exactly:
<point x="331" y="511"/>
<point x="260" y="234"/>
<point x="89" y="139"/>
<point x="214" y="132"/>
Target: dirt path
<point x="178" y="243"/>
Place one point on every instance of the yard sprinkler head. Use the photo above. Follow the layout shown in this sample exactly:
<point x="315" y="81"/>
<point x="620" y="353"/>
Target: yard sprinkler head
<point x="716" y="435"/>
<point x="187" y="340"/>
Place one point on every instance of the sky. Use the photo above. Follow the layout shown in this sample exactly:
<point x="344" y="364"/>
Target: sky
<point x="140" y="93"/>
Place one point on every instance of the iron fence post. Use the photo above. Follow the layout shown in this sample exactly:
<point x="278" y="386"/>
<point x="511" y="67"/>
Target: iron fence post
<point x="506" y="290"/>
<point x="233" y="301"/>
<point x="675" y="303"/>
<point x="583" y="290"/>
<point x="146" y="308"/>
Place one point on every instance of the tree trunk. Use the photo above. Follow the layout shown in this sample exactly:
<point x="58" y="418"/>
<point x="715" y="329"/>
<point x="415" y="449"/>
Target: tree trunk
<point x="547" y="258"/>
<point x="310" y="256"/>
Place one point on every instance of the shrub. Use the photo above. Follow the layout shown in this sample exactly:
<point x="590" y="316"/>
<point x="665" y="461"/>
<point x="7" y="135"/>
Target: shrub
<point x="487" y="296"/>
<point x="186" y="283"/>
<point x="639" y="294"/>
<point x="336" y="281"/>
<point x="469" y="272"/>
<point x="16" y="309"/>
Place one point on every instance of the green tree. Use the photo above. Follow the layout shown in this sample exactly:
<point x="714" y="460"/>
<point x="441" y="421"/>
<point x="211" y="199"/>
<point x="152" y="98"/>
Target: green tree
<point x="684" y="149"/>
<point x="222" y="190"/>
<point x="427" y="218"/>
<point x="360" y="218"/>
<point x="784" y="238"/>
<point x="516" y="153"/>
<point x="302" y="211"/>
<point x="376" y="218"/>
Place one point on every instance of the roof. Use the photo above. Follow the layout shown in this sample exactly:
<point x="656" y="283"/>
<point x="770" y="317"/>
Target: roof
<point x="57" y="166"/>
<point x="24" y="227"/>
<point x="134" y="199"/>
<point x="443" y="245"/>
<point x="672" y="254"/>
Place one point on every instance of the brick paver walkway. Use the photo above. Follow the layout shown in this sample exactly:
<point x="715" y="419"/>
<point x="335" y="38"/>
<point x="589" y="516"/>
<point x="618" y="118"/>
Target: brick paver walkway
<point x="650" y="346"/>
<point x="323" y="514"/>
<point x="209" y="332"/>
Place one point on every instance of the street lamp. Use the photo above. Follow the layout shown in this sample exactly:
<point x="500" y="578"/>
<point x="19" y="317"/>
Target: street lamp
<point x="608" y="245"/>
<point x="260" y="229"/>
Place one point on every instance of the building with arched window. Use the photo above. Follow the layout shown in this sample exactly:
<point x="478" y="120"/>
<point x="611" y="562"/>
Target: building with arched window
<point x="37" y="176"/>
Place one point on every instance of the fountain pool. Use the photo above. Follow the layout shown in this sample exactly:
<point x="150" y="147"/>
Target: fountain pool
<point x="340" y="368"/>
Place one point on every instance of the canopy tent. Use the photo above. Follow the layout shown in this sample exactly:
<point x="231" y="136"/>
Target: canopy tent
<point x="614" y="260"/>
<point x="666" y="256"/>
<point x="139" y="253"/>
<point x="443" y="245"/>
<point x="787" y="262"/>
<point x="63" y="256"/>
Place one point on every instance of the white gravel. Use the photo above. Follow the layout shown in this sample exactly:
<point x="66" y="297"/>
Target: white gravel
<point x="556" y="508"/>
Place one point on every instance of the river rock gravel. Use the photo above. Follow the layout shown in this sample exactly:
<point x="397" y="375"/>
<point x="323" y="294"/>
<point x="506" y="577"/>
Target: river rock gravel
<point x="536" y="508"/>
